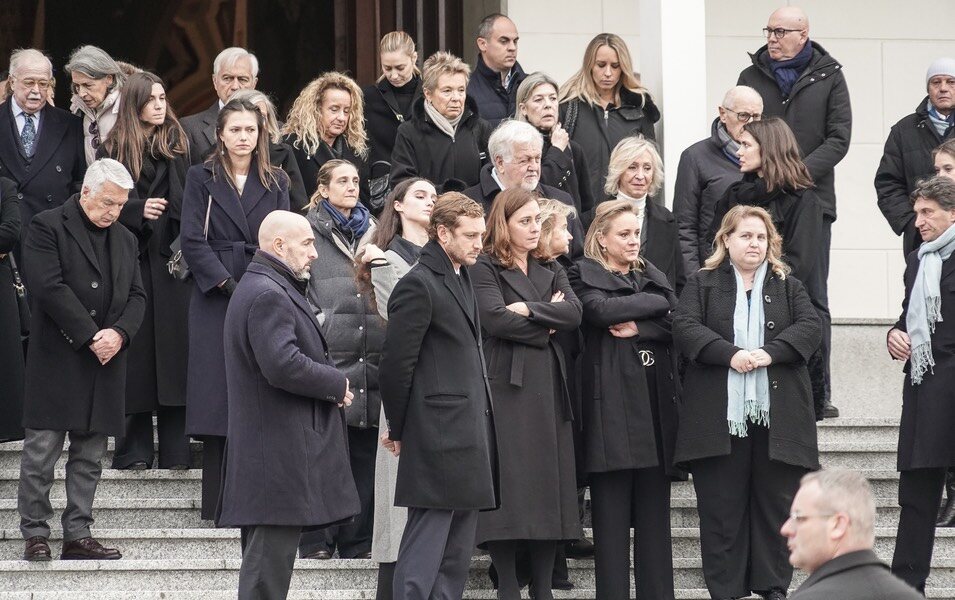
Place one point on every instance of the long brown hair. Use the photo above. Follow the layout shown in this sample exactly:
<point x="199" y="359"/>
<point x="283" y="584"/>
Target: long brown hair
<point x="604" y="216"/>
<point x="130" y="139"/>
<point x="268" y="175"/>
<point x="781" y="161"/>
<point x="497" y="238"/>
<point x="735" y="216"/>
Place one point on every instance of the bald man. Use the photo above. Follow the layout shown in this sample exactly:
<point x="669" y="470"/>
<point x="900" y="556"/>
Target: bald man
<point x="802" y="83"/>
<point x="286" y="462"/>
<point x="707" y="169"/>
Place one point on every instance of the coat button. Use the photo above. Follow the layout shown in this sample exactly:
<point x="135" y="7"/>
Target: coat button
<point x="93" y="313"/>
<point x="19" y="196"/>
<point x="59" y="169"/>
<point x="49" y="198"/>
<point x="671" y="376"/>
<point x="361" y="390"/>
<point x="487" y="412"/>
<point x="767" y="298"/>
<point x="361" y="360"/>
<point x="775" y="384"/>
<point x="770" y="325"/>
<point x="358" y="295"/>
<point x="94" y="285"/>
<point x="361" y="328"/>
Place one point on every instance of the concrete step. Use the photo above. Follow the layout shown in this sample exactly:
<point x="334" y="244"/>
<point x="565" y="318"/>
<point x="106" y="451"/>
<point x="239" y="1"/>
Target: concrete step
<point x="10" y="454"/>
<point x="849" y="429"/>
<point x="151" y="483"/>
<point x="485" y="594"/>
<point x="884" y="484"/>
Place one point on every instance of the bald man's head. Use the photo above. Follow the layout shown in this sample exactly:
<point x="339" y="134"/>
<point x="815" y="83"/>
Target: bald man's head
<point x="741" y="104"/>
<point x="787" y="32"/>
<point x="289" y="238"/>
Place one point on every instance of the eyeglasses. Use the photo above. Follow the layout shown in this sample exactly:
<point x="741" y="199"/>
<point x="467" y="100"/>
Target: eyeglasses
<point x="779" y="32"/>
<point x="800" y="519"/>
<point x="744" y="117"/>
<point x="29" y="84"/>
<point x="94" y="131"/>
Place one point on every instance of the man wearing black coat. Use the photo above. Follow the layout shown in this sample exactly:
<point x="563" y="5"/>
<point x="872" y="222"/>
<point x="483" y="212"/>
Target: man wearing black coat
<point x="803" y="84"/>
<point x="908" y="151"/>
<point x="41" y="146"/>
<point x="437" y="402"/>
<point x="88" y="302"/>
<point x="286" y="464"/>
<point x="831" y="534"/>
<point x="497" y="74"/>
<point x="233" y="69"/>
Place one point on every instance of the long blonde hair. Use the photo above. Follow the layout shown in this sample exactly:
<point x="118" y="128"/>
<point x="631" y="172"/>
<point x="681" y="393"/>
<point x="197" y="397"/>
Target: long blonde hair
<point x="581" y="84"/>
<point x="605" y="213"/>
<point x="735" y="216"/>
<point x="399" y="41"/>
<point x="304" y="118"/>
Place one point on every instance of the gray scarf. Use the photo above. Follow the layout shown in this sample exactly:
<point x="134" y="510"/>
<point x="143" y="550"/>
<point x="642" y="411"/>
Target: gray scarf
<point x="925" y="302"/>
<point x="442" y="122"/>
<point x="730" y="146"/>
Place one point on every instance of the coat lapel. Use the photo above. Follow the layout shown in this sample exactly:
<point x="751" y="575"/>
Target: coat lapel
<point x="253" y="192"/>
<point x="52" y="131"/>
<point x="117" y="269"/>
<point x="533" y="287"/>
<point x="73" y="222"/>
<point x="162" y="166"/>
<point x="948" y="267"/>
<point x="434" y="257"/>
<point x="227" y="198"/>
<point x="209" y="123"/>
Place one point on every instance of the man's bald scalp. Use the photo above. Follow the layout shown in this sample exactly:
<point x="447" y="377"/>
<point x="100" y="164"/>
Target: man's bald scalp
<point x="793" y="16"/>
<point x="280" y="224"/>
<point x="740" y="93"/>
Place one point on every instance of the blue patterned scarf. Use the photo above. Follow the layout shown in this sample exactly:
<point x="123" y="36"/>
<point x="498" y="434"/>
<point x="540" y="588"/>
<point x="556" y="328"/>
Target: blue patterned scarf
<point x="355" y="224"/>
<point x="787" y="72"/>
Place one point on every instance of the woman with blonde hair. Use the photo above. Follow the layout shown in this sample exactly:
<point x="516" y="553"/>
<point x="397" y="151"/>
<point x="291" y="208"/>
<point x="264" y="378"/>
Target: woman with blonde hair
<point x="747" y="429"/>
<point x="445" y="141"/>
<point x="389" y="101"/>
<point x="603" y="103"/>
<point x="629" y="411"/>
<point x="327" y="122"/>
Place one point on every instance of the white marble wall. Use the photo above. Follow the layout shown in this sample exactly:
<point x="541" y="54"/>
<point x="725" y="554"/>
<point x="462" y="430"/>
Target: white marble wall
<point x="885" y="48"/>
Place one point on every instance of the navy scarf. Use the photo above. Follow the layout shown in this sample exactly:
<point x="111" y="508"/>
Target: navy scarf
<point x="356" y="224"/>
<point x="787" y="72"/>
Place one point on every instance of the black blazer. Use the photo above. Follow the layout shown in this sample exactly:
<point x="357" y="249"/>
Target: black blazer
<point x="201" y="130"/>
<point x="435" y="390"/>
<point x="703" y="332"/>
<point x="857" y="575"/>
<point x="661" y="246"/>
<point x="58" y="165"/>
<point x="67" y="389"/>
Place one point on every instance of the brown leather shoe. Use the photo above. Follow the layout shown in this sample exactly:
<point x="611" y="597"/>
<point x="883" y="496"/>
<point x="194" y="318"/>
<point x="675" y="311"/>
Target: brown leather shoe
<point x="88" y="549"/>
<point x="37" y="549"/>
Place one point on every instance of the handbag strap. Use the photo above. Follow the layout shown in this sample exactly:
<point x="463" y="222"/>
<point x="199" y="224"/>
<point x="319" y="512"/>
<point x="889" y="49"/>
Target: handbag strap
<point x="17" y="281"/>
<point x="205" y="228"/>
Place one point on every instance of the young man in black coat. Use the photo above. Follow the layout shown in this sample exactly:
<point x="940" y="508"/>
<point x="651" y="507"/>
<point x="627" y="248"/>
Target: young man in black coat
<point x="497" y="74"/>
<point x="831" y="536"/>
<point x="41" y="146"/>
<point x="286" y="465"/>
<point x="88" y="302"/>
<point x="438" y="404"/>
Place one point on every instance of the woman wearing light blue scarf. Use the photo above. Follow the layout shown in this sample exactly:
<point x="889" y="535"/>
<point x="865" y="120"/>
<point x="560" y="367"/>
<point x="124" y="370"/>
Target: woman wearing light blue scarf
<point x="748" y="329"/>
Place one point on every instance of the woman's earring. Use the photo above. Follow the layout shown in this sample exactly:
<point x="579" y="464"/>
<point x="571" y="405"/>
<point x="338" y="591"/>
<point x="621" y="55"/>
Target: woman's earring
<point x="223" y="152"/>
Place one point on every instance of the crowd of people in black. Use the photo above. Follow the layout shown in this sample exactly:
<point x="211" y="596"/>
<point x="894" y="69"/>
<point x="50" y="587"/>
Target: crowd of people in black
<point x="474" y="271"/>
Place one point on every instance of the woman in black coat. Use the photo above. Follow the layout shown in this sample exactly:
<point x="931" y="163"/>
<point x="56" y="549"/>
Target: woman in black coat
<point x="635" y="174"/>
<point x="745" y="325"/>
<point x="563" y="162"/>
<point x="327" y="121"/>
<point x="522" y="302"/>
<point x="603" y="103"/>
<point x="236" y="187"/>
<point x="388" y="101"/>
<point x="629" y="404"/>
<point x="11" y="348"/>
<point x="446" y="140"/>
<point x="148" y="140"/>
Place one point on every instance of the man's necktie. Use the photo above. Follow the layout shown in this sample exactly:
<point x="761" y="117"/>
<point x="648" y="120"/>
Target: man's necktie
<point x="28" y="135"/>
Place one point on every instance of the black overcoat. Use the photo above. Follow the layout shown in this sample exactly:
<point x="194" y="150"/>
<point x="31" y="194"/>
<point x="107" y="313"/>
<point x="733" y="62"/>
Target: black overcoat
<point x="817" y="110"/>
<point x="233" y="237"/>
<point x="928" y="410"/>
<point x="310" y="164"/>
<point x="281" y="155"/>
<point x="200" y="128"/>
<point x="383" y="116"/>
<point x="661" y="243"/>
<point x="423" y="150"/>
<point x="435" y="390"/>
<point x="619" y="431"/>
<point x="567" y="171"/>
<point x="858" y="575"/>
<point x="11" y="349"/>
<point x="287" y="452"/>
<point x="58" y="165"/>
<point x="533" y="414"/>
<point x="67" y="389"/>
<point x="703" y="332"/>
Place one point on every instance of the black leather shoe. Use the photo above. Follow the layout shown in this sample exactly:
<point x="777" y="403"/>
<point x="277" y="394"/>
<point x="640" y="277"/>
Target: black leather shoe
<point x="561" y="584"/>
<point x="582" y="548"/>
<point x="88" y="549"/>
<point x="946" y="516"/>
<point x="829" y="411"/>
<point x="37" y="549"/>
<point x="774" y="594"/>
<point x="139" y="465"/>
<point x="319" y="555"/>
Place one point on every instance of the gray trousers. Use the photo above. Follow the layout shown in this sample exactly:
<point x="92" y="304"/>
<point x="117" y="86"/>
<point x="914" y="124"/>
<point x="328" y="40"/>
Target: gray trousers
<point x="41" y="449"/>
<point x="435" y="554"/>
<point x="268" y="555"/>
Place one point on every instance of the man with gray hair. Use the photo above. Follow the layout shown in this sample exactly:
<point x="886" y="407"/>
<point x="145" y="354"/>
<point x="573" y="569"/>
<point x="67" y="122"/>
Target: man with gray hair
<point x="83" y="274"/>
<point x="515" y="149"/>
<point x="707" y="169"/>
<point x="831" y="533"/>
<point x="41" y="146"/>
<point x="97" y="80"/>
<point x="233" y="69"/>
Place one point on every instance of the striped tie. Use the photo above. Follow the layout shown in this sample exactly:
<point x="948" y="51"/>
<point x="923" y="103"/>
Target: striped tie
<point x="28" y="135"/>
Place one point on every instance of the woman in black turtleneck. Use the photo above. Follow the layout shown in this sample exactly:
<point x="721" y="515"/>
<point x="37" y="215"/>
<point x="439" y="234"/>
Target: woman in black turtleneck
<point x="563" y="163"/>
<point x="388" y="102"/>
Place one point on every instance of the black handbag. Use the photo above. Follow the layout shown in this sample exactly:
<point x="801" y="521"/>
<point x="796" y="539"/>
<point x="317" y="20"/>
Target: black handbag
<point x="379" y="187"/>
<point x="22" y="305"/>
<point x="176" y="265"/>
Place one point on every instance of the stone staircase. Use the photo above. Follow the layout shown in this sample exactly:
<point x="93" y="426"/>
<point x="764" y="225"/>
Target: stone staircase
<point x="169" y="553"/>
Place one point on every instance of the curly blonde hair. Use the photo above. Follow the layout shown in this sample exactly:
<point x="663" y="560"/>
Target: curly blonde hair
<point x="304" y="119"/>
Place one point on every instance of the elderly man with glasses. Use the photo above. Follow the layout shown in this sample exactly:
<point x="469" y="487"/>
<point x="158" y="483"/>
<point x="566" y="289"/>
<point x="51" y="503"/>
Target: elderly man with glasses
<point x="41" y="146"/>
<point x="803" y="84"/>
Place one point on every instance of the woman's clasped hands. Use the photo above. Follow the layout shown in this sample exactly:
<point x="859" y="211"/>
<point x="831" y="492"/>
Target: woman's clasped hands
<point x="745" y="361"/>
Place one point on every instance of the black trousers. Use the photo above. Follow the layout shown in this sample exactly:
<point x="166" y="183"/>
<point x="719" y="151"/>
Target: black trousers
<point x="818" y="289"/>
<point x="268" y="555"/>
<point x="213" y="450"/>
<point x="386" y="581"/>
<point x="137" y="444"/>
<point x="743" y="499"/>
<point x="920" y="491"/>
<point x="353" y="539"/>
<point x="637" y="498"/>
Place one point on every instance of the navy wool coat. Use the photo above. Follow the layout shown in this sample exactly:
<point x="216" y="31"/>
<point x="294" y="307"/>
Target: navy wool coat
<point x="232" y="239"/>
<point x="287" y="453"/>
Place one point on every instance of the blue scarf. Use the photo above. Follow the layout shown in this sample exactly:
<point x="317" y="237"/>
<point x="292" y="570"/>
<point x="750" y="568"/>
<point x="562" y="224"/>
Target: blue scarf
<point x="356" y="224"/>
<point x="787" y="72"/>
<point x="925" y="302"/>
<point x="942" y="124"/>
<point x="748" y="393"/>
